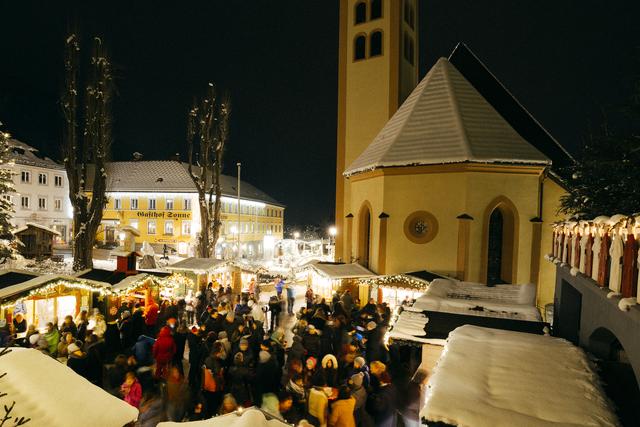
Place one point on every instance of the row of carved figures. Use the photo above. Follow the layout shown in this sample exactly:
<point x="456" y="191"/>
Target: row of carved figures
<point x="605" y="249"/>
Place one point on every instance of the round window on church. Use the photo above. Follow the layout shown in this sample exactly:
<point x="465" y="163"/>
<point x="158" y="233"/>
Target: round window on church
<point x="421" y="227"/>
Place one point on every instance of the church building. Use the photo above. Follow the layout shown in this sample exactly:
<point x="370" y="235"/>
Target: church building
<point x="450" y="174"/>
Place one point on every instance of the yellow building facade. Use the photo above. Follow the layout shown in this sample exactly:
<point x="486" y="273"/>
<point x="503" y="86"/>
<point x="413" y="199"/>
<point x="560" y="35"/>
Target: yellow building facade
<point x="457" y="178"/>
<point x="158" y="200"/>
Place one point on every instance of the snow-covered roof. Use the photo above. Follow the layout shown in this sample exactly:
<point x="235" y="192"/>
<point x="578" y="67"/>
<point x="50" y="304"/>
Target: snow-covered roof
<point x="197" y="264"/>
<point x="39" y="281"/>
<point x="489" y="377"/>
<point x="169" y="176"/>
<point x="128" y="281"/>
<point x="34" y="382"/>
<point x="476" y="299"/>
<point x="446" y="120"/>
<point x="35" y="225"/>
<point x="342" y="271"/>
<point x="24" y="154"/>
<point x="248" y="418"/>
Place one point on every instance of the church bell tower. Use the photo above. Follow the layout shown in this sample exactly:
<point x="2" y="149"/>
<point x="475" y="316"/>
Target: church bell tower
<point x="377" y="70"/>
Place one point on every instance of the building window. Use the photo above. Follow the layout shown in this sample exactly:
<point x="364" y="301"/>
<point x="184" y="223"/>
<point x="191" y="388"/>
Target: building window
<point x="168" y="227"/>
<point x="134" y="203"/>
<point x="408" y="48"/>
<point x="24" y="202"/>
<point x="57" y="181"/>
<point x="151" y="227"/>
<point x="25" y="177"/>
<point x="169" y="204"/>
<point x="117" y="204"/>
<point x="375" y="43"/>
<point x="376" y="9"/>
<point x="42" y="178"/>
<point x="187" y="204"/>
<point x="186" y="228"/>
<point x="42" y="203"/>
<point x="421" y="227"/>
<point x="134" y="223"/>
<point x="361" y="12"/>
<point x="57" y="204"/>
<point x="152" y="204"/>
<point x="359" y="47"/>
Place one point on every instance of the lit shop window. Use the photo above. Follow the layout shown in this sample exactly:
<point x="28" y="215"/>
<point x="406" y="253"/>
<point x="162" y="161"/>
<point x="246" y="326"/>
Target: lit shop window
<point x="151" y="227"/>
<point x="168" y="227"/>
<point x="186" y="227"/>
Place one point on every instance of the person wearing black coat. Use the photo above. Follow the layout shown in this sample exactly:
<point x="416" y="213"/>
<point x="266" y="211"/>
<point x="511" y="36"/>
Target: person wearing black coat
<point x="267" y="379"/>
<point x="125" y="327"/>
<point x="239" y="380"/>
<point x="137" y="322"/>
<point x="375" y="343"/>
<point x="382" y="402"/>
<point x="94" y="360"/>
<point x="311" y="342"/>
<point x="77" y="360"/>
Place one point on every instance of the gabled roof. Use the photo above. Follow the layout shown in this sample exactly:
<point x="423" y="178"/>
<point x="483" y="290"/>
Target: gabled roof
<point x="169" y="176"/>
<point x="446" y="120"/>
<point x="24" y="154"/>
<point x="28" y="225"/>
<point x="474" y="70"/>
<point x="341" y="271"/>
<point x="197" y="264"/>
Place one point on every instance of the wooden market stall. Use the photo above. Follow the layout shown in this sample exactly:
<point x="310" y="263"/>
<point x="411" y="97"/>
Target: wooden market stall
<point x="52" y="296"/>
<point x="204" y="270"/>
<point x="325" y="278"/>
<point x="36" y="240"/>
<point x="392" y="289"/>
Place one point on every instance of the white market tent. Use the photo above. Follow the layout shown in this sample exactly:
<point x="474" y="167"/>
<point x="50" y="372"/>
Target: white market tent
<point x="198" y="265"/>
<point x="341" y="271"/>
<point x="40" y="281"/>
<point x="476" y="299"/>
<point x="492" y="378"/>
<point x="33" y="224"/>
<point x="52" y="395"/>
<point x="248" y="418"/>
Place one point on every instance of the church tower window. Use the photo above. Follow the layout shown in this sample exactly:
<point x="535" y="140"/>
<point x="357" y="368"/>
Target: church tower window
<point x="359" y="47"/>
<point x="376" y="9"/>
<point x="361" y="12"/>
<point x="375" y="43"/>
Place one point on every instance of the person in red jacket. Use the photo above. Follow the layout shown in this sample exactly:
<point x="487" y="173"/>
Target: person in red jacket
<point x="150" y="314"/>
<point x="163" y="351"/>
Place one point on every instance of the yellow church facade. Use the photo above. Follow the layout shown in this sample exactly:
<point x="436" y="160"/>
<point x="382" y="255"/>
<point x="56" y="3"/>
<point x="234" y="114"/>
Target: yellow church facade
<point x="454" y="177"/>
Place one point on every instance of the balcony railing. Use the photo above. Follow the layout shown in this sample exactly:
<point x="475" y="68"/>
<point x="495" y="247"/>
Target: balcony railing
<point x="605" y="249"/>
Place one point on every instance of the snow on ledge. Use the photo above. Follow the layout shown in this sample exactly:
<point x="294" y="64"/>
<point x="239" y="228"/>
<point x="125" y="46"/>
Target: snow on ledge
<point x="489" y="377"/>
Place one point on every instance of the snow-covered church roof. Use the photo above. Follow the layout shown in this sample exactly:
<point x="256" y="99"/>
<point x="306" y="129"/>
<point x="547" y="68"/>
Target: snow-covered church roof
<point x="446" y="120"/>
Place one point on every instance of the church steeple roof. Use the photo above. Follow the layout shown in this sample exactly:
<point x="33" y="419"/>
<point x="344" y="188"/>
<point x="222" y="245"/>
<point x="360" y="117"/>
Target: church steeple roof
<point x="446" y="120"/>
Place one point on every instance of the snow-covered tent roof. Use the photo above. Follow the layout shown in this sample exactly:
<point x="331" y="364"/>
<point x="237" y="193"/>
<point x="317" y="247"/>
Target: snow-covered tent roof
<point x="341" y="271"/>
<point x="35" y="382"/>
<point x="39" y="281"/>
<point x="490" y="377"/>
<point x="129" y="280"/>
<point x="248" y="418"/>
<point x="195" y="264"/>
<point x="446" y="120"/>
<point x="35" y="225"/>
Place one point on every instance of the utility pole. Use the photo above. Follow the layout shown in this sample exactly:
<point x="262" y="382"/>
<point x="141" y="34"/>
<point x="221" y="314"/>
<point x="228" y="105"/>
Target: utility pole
<point x="238" y="186"/>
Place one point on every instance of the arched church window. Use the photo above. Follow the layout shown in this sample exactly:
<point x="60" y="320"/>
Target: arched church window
<point x="361" y="12"/>
<point x="376" y="9"/>
<point x="375" y="43"/>
<point x="359" y="47"/>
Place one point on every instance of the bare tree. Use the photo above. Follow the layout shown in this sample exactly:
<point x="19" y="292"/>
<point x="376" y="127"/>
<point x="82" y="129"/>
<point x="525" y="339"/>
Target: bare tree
<point x="86" y="154"/>
<point x="208" y="132"/>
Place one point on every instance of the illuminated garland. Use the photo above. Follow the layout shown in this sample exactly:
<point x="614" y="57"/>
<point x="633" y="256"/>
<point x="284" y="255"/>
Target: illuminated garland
<point x="171" y="282"/>
<point x="393" y="280"/>
<point x="52" y="287"/>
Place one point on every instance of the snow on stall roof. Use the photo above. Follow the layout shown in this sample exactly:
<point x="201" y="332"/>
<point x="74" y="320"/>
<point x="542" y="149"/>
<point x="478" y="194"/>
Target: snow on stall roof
<point x="128" y="281"/>
<point x="197" y="264"/>
<point x="446" y="120"/>
<point x="40" y="281"/>
<point x="476" y="299"/>
<point x="342" y="271"/>
<point x="250" y="417"/>
<point x="36" y="382"/>
<point x="491" y="378"/>
<point x="35" y="225"/>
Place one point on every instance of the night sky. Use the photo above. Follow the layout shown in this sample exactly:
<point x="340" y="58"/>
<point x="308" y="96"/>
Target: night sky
<point x="564" y="60"/>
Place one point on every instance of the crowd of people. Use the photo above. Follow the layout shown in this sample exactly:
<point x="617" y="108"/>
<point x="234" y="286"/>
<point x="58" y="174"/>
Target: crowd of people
<point x="221" y="352"/>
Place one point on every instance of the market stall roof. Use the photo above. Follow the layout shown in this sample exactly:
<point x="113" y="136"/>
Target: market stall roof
<point x="403" y="281"/>
<point x="39" y="281"/>
<point x="342" y="271"/>
<point x="197" y="264"/>
<point x="489" y="377"/>
<point x="33" y="381"/>
<point x="110" y="276"/>
<point x="128" y="281"/>
<point x="426" y="275"/>
<point x="12" y="277"/>
<point x="250" y="417"/>
<point x="27" y="225"/>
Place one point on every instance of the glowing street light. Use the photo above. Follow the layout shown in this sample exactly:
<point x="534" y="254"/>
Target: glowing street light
<point x="296" y="235"/>
<point x="333" y="231"/>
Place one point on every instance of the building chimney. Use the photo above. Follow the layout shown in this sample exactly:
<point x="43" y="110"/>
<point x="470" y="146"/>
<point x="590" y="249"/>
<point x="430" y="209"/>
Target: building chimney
<point x="137" y="156"/>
